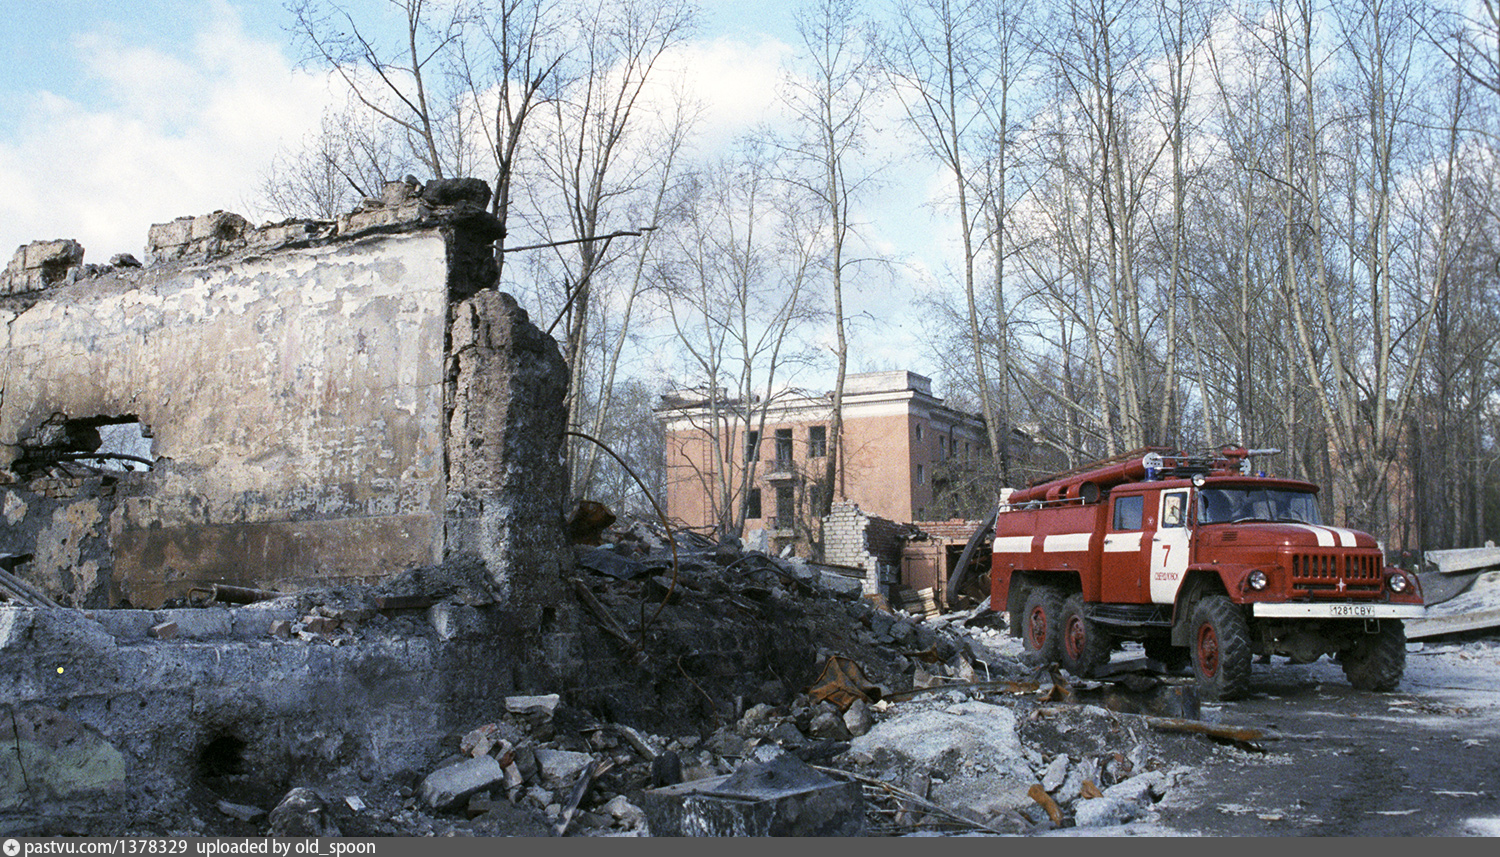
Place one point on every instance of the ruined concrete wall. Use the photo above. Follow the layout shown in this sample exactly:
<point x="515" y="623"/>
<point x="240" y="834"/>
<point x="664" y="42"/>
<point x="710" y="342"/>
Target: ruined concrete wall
<point x="295" y="400"/>
<point x="100" y="720"/>
<point x="308" y="389"/>
<point x="506" y="477"/>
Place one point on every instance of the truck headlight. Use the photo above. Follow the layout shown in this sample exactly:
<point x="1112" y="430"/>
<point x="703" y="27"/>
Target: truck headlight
<point x="1398" y="583"/>
<point x="1257" y="580"/>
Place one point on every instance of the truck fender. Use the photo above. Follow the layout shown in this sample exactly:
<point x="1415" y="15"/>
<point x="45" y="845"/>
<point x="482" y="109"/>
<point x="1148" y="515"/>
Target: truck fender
<point x="1199" y="582"/>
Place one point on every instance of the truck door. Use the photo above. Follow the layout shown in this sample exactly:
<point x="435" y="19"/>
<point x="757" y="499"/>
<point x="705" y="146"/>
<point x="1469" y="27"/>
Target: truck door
<point x="1125" y="559"/>
<point x="1169" y="546"/>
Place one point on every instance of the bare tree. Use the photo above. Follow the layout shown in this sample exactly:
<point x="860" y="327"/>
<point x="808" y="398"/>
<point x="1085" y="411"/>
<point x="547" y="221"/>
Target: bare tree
<point x="742" y="290"/>
<point x="589" y="167"/>
<point x="831" y="101"/>
<point x="936" y="61"/>
<point x="393" y="81"/>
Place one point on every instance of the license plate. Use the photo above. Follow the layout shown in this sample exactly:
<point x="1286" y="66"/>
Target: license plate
<point x="1355" y="610"/>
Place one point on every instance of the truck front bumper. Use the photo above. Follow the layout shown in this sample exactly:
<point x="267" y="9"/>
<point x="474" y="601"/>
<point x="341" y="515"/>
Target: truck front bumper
<point x="1337" y="611"/>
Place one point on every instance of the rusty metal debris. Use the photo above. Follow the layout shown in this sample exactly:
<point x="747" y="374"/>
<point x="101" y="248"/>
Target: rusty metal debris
<point x="226" y="594"/>
<point x="1045" y="801"/>
<point x="841" y="683"/>
<point x="18" y="590"/>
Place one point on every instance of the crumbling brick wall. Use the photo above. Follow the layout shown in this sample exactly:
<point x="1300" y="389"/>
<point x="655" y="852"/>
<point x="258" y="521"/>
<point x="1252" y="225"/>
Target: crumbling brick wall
<point x="320" y="401"/>
<point x="852" y="537"/>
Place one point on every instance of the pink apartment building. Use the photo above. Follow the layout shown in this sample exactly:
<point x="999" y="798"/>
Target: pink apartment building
<point x="895" y="434"/>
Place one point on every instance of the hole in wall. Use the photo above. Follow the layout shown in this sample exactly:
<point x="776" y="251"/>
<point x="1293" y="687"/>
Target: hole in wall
<point x="224" y="756"/>
<point x="76" y="446"/>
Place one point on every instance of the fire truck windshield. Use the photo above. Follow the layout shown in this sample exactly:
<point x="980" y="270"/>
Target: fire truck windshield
<point x="1232" y="505"/>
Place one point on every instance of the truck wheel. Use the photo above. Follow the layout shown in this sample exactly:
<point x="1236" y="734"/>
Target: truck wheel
<point x="1377" y="661"/>
<point x="1221" y="648"/>
<point x="1085" y="646"/>
<point x="1174" y="658"/>
<point x="1041" y="623"/>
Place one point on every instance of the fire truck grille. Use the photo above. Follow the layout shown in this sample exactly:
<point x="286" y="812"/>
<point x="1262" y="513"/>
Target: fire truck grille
<point x="1336" y="574"/>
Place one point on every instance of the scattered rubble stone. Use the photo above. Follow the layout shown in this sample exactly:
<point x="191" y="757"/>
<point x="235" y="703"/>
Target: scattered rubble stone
<point x="447" y="786"/>
<point x="303" y="812"/>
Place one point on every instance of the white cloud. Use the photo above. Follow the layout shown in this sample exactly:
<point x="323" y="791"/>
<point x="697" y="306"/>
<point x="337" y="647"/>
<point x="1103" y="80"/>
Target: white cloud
<point x="170" y="134"/>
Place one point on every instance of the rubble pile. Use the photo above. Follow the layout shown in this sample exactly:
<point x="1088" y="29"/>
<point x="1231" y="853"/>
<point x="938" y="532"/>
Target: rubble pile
<point x="941" y="725"/>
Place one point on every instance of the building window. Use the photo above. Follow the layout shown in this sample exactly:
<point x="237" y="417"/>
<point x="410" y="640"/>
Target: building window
<point x="815" y="496"/>
<point x="942" y="448"/>
<point x="784" y="449"/>
<point x="752" y="504"/>
<point x="752" y="446"/>
<point x="919" y="431"/>
<point x="786" y="506"/>
<point x="817" y="441"/>
<point x="921" y="475"/>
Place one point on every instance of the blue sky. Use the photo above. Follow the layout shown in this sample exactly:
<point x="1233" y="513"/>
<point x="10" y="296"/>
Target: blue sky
<point x="126" y="113"/>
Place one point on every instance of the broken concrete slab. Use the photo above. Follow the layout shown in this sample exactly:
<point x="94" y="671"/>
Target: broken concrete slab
<point x="781" y="797"/>
<point x="1463" y="559"/>
<point x="446" y="786"/>
<point x="544" y="705"/>
<point x="1474" y="610"/>
<point x="559" y="769"/>
<point x="974" y="746"/>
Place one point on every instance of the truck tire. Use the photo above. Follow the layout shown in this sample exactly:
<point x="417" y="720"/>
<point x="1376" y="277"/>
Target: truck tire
<point x="1041" y="623"/>
<point x="1085" y="645"/>
<point x="1377" y="661"/>
<point x="1220" y="642"/>
<point x="1174" y="658"/>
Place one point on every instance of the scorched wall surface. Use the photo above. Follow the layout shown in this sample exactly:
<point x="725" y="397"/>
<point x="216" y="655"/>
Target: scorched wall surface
<point x="295" y="400"/>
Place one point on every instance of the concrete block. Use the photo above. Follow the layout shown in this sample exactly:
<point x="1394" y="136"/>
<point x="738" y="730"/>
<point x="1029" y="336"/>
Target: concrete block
<point x="126" y="625"/>
<point x="162" y="235"/>
<point x="452" y="621"/>
<point x="560" y="768"/>
<point x="446" y="787"/>
<point x="782" y="797"/>
<point x="199" y="623"/>
<point x="545" y="704"/>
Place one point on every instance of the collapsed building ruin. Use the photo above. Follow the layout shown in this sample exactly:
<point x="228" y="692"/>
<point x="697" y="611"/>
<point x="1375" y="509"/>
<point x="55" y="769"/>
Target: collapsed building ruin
<point x="351" y="415"/>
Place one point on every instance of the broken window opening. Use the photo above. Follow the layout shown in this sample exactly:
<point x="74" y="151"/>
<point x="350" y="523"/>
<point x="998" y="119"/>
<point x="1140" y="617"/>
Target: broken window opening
<point x="817" y="441"/>
<point x="85" y="446"/>
<point x="783" y="449"/>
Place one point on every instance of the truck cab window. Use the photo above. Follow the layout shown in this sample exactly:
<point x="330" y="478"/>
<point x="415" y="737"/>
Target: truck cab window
<point x="1171" y="508"/>
<point x="1128" y="512"/>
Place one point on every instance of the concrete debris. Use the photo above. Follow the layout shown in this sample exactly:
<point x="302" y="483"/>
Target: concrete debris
<point x="781" y="797"/>
<point x="1463" y="559"/>
<point x="240" y="811"/>
<point x="1476" y="609"/>
<point x="303" y="812"/>
<point x="560" y="768"/>
<point x="445" y="787"/>
<point x="542" y="706"/>
<point x="1056" y="773"/>
<point x="752" y="652"/>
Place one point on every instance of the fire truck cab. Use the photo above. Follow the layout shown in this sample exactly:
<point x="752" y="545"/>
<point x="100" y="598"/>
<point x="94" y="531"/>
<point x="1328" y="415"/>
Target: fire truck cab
<point x="1204" y="563"/>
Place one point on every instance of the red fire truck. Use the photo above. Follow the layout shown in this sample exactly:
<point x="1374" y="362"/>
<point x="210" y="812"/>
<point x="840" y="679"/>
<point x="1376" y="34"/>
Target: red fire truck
<point x="1204" y="563"/>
